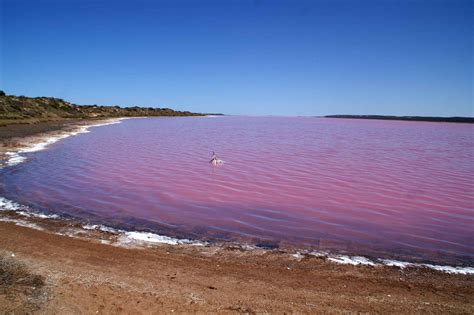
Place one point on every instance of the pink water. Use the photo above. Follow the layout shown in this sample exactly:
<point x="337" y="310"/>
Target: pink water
<point x="367" y="186"/>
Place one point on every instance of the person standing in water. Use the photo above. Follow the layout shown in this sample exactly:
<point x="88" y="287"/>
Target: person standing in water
<point x="215" y="160"/>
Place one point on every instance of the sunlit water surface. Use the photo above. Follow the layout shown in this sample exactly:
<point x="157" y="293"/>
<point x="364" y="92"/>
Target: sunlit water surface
<point x="358" y="186"/>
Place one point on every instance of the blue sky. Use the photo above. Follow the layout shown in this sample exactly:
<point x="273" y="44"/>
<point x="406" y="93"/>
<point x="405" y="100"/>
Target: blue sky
<point x="244" y="57"/>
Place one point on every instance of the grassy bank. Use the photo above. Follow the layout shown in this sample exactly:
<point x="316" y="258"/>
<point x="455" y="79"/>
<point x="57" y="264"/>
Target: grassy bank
<point x="30" y="110"/>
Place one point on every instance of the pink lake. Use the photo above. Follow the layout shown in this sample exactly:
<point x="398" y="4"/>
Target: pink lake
<point x="382" y="188"/>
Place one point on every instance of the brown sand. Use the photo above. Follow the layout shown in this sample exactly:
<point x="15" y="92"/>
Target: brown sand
<point x="86" y="277"/>
<point x="16" y="136"/>
<point x="23" y="130"/>
<point x="83" y="276"/>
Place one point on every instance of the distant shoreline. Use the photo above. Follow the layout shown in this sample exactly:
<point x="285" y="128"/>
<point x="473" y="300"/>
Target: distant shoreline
<point x="469" y="120"/>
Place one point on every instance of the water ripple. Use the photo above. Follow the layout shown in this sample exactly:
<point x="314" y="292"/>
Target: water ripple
<point x="390" y="186"/>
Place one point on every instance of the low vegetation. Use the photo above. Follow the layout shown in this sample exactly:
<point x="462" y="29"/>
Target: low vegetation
<point x="20" y="290"/>
<point x="13" y="273"/>
<point x="22" y="109"/>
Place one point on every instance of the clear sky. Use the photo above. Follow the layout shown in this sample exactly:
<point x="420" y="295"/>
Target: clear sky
<point x="244" y="57"/>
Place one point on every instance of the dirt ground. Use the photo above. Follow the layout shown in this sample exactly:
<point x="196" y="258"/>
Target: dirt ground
<point x="86" y="277"/>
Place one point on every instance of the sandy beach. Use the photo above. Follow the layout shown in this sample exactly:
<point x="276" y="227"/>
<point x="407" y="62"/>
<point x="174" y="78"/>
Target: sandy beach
<point x="54" y="266"/>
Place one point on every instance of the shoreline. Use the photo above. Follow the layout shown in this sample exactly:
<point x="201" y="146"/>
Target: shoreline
<point x="83" y="276"/>
<point x="459" y="120"/>
<point x="21" y="215"/>
<point x="25" y="140"/>
<point x="16" y="231"/>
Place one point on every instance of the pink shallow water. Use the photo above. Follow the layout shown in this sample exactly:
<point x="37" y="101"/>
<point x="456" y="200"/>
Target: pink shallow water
<point x="381" y="186"/>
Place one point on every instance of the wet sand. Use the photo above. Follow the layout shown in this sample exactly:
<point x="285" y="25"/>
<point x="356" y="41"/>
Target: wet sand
<point x="12" y="131"/>
<point x="82" y="275"/>
<point x="15" y="136"/>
